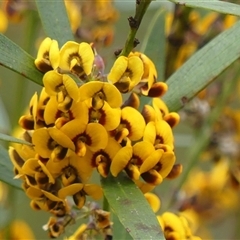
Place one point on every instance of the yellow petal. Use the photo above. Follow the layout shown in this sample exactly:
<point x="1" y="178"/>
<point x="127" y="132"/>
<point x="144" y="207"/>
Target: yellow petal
<point x="98" y="137"/>
<point x="54" y="55"/>
<point x="41" y="140"/>
<point x="88" y="90"/>
<point x="61" y="138"/>
<point x="121" y="160"/>
<point x="153" y="200"/>
<point x="118" y="69"/>
<point x="71" y="87"/>
<point x="93" y="190"/>
<point x="151" y="161"/>
<point x="82" y="165"/>
<point x="113" y="96"/>
<point x="150" y="132"/>
<point x="159" y="104"/>
<point x="68" y="51"/>
<point x="143" y="150"/>
<point x="110" y="118"/>
<point x="74" y="128"/>
<point x="51" y="196"/>
<point x="52" y="80"/>
<point x="51" y="111"/>
<point x="135" y="65"/>
<point x="135" y="123"/>
<point x="30" y="166"/>
<point x="34" y="193"/>
<point x="87" y="57"/>
<point x="167" y="161"/>
<point x="56" y="168"/>
<point x="164" y="133"/>
<point x="70" y="190"/>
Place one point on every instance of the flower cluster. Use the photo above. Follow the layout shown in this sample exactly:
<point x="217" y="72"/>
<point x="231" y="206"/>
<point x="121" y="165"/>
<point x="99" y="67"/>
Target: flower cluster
<point x="79" y="123"/>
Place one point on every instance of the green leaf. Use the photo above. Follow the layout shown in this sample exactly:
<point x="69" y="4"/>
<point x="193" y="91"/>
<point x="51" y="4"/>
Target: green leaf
<point x="131" y="207"/>
<point x="203" y="67"/>
<point x="214" y="5"/>
<point x="154" y="44"/>
<point x="8" y="138"/>
<point x="16" y="59"/>
<point x="6" y="169"/>
<point x="55" y="21"/>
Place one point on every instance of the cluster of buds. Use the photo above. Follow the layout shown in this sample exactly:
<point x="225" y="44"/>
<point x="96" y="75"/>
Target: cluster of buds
<point x="80" y="123"/>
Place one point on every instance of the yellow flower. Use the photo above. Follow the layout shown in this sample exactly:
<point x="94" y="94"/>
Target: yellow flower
<point x="148" y="85"/>
<point x="159" y="132"/>
<point x="126" y="73"/>
<point x="48" y="55"/>
<point x="100" y="92"/>
<point x="131" y="158"/>
<point x="48" y="201"/>
<point x="79" y="192"/>
<point x="157" y="166"/>
<point x="71" y="169"/>
<point x="52" y="143"/>
<point x="77" y="58"/>
<point x="52" y="115"/>
<point x="63" y="87"/>
<point x="102" y="158"/>
<point x="131" y="126"/>
<point x="36" y="169"/>
<point x="106" y="116"/>
<point x="92" y="135"/>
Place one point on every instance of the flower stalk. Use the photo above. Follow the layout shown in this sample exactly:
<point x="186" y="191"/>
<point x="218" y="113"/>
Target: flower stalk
<point x="134" y="23"/>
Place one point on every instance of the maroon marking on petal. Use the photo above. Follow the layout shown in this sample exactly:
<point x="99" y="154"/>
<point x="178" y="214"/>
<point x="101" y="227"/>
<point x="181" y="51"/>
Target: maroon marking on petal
<point x="104" y="157"/>
<point x="62" y="154"/>
<point x="159" y="139"/>
<point x="171" y="121"/>
<point x="27" y="124"/>
<point x="43" y="160"/>
<point x="51" y="144"/>
<point x="148" y="177"/>
<point x="17" y="158"/>
<point x="156" y="90"/>
<point x="27" y="137"/>
<point x="102" y="119"/>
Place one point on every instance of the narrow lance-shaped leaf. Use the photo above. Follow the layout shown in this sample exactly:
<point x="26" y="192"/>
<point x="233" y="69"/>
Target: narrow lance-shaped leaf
<point x="203" y="67"/>
<point x="8" y="138"/>
<point x="214" y="5"/>
<point x="6" y="169"/>
<point x="55" y="21"/>
<point x="16" y="59"/>
<point x="131" y="207"/>
<point x="154" y="43"/>
<point x="154" y="46"/>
